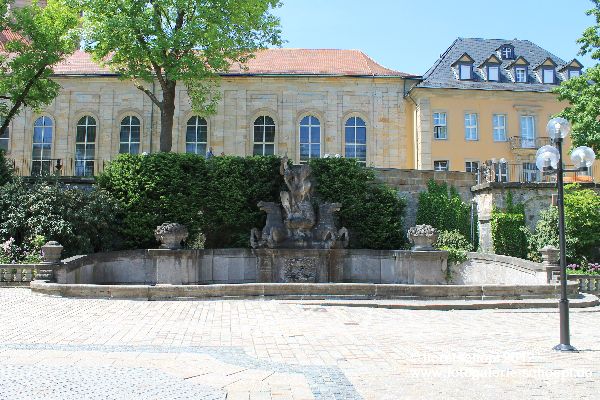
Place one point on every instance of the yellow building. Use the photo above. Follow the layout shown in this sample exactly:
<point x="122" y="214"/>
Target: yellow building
<point x="482" y="103"/>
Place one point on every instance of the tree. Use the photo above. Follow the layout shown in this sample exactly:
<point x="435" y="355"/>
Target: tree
<point x="177" y="40"/>
<point x="583" y="93"/>
<point x="42" y="37"/>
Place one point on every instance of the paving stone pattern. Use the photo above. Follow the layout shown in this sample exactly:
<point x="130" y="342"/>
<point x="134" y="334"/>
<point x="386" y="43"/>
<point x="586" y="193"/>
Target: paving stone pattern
<point x="58" y="348"/>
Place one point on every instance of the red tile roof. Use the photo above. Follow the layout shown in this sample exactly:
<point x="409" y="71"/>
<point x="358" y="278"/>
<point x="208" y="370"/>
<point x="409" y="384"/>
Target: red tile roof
<point x="268" y="62"/>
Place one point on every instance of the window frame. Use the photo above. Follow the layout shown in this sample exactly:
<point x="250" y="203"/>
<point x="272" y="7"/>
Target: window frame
<point x="530" y="140"/>
<point x="130" y="142"/>
<point x="469" y="128"/>
<point x="85" y="161"/>
<point x="521" y="68"/>
<point x="439" y="125"/>
<point x="570" y="72"/>
<point x="469" y="168"/>
<point x="356" y="144"/>
<point x="310" y="143"/>
<point x="264" y="126"/>
<point x="530" y="172"/>
<point x="43" y="161"/>
<point x="197" y="125"/>
<point x="6" y="138"/>
<point x="495" y="128"/>
<point x="445" y="169"/>
<point x="469" y="70"/>
<point x="548" y="70"/>
<point x="497" y="68"/>
<point x="510" y="55"/>
<point x="501" y="172"/>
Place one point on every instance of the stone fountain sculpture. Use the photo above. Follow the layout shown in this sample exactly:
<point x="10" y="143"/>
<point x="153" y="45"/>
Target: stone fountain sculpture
<point x="296" y="243"/>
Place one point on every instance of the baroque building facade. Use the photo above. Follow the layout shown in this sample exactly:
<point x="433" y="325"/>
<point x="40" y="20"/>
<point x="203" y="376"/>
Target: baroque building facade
<point x="484" y="102"/>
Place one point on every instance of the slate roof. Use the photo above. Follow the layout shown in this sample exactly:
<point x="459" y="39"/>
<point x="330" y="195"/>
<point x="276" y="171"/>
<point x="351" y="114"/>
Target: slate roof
<point x="441" y="75"/>
<point x="321" y="62"/>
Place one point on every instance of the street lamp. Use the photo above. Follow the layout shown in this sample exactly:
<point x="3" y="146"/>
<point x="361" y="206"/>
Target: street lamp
<point x="549" y="161"/>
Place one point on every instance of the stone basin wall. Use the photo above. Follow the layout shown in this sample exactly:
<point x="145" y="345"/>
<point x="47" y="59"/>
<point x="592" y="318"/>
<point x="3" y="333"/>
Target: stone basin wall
<point x="222" y="266"/>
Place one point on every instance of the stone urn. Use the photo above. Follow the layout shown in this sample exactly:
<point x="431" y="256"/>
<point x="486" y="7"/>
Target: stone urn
<point x="550" y="255"/>
<point x="170" y="235"/>
<point x="51" y="252"/>
<point x="422" y="237"/>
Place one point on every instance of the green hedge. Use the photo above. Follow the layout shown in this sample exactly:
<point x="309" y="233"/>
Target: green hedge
<point x="372" y="212"/>
<point x="215" y="197"/>
<point x="218" y="197"/>
<point x="508" y="229"/>
<point x="442" y="208"/>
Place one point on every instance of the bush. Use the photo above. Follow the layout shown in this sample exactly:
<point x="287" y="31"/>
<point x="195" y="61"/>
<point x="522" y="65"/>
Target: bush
<point x="442" y="208"/>
<point x="6" y="169"/>
<point x="508" y="233"/>
<point x="83" y="221"/>
<point x="215" y="197"/>
<point x="456" y="244"/>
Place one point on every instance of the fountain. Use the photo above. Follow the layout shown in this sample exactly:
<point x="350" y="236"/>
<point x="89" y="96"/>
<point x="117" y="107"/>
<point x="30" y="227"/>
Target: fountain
<point x="296" y="244"/>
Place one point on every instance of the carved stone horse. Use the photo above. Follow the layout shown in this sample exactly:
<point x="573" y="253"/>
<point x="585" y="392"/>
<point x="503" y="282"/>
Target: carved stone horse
<point x="274" y="231"/>
<point x="325" y="231"/>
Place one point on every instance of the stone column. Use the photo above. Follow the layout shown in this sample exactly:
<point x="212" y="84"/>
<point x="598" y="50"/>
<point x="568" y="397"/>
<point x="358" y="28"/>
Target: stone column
<point x="551" y="261"/>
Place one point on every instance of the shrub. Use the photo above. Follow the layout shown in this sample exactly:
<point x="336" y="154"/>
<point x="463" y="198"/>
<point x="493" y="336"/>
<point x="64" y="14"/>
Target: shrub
<point x="442" y="208"/>
<point x="456" y="244"/>
<point x="6" y="169"/>
<point x="508" y="227"/>
<point x="215" y="197"/>
<point x="83" y="221"/>
<point x="372" y="212"/>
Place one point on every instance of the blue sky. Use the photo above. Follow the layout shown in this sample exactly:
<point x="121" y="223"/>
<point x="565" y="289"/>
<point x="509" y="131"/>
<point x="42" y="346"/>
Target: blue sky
<point x="410" y="35"/>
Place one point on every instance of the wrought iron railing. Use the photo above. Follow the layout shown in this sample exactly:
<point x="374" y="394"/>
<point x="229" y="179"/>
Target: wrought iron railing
<point x="510" y="172"/>
<point x="518" y="142"/>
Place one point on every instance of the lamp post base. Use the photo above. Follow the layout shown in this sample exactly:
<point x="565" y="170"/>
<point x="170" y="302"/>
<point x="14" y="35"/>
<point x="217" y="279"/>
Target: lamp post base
<point x="565" y="348"/>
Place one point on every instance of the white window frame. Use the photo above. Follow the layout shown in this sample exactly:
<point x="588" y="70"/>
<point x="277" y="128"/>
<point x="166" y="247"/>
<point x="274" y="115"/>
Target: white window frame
<point x="81" y="164"/>
<point x="471" y="127"/>
<point x="198" y="123"/>
<point x="469" y="164"/>
<point x="353" y="124"/>
<point x="130" y="142"/>
<point x="501" y="172"/>
<point x="440" y="120"/>
<point x="310" y="143"/>
<point x="43" y="162"/>
<point x="530" y="172"/>
<point x="574" y="73"/>
<point x="495" y="68"/>
<point x="551" y="77"/>
<point x="526" y="134"/>
<point x="520" y="78"/>
<point x="263" y="130"/>
<point x="5" y="141"/>
<point x="499" y="130"/>
<point x="507" y="53"/>
<point x="440" y="167"/>
<point x="465" y="72"/>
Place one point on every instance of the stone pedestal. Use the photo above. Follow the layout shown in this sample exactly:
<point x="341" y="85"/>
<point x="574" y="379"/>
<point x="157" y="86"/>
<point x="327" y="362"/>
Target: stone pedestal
<point x="298" y="265"/>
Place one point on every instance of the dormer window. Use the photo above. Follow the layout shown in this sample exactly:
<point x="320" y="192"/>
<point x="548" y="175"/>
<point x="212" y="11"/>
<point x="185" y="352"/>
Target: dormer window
<point x="493" y="73"/>
<point x="507" y="52"/>
<point x="548" y="75"/>
<point x="571" y="70"/>
<point x="521" y="74"/>
<point x="465" y="72"/>
<point x="574" y="73"/>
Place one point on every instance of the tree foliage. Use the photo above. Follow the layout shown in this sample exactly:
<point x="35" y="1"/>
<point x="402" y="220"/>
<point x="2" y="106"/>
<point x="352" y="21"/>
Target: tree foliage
<point x="42" y="37"/>
<point x="188" y="41"/>
<point x="583" y="93"/>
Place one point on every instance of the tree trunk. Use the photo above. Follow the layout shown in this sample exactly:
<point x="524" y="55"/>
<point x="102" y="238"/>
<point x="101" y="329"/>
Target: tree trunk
<point x="167" y="113"/>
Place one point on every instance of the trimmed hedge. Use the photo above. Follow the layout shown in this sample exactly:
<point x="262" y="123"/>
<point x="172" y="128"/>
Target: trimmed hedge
<point x="508" y="227"/>
<point x="218" y="197"/>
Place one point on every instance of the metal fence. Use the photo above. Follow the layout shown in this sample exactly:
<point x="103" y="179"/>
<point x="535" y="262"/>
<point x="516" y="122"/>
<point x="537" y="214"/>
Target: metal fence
<point x="528" y="172"/>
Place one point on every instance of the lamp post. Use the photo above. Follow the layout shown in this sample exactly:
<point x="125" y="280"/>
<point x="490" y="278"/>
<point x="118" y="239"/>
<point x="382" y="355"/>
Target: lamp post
<point x="549" y="160"/>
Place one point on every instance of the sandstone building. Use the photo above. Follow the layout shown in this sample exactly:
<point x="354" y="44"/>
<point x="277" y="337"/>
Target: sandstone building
<point x="483" y="100"/>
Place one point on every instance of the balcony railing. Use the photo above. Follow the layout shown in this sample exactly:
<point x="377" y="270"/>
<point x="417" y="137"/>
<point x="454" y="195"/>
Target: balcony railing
<point x="506" y="172"/>
<point x="69" y="167"/>
<point x="517" y="142"/>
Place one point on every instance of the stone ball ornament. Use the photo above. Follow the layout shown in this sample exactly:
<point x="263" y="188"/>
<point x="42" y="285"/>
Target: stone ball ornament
<point x="170" y="235"/>
<point x="422" y="237"/>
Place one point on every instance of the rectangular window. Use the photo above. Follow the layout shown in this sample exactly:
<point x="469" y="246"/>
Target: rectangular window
<point x="465" y="71"/>
<point x="440" y="128"/>
<point x="530" y="172"/>
<point x="440" y="165"/>
<point x="472" y="166"/>
<point x="493" y="73"/>
<point x="527" y="131"/>
<point x="501" y="172"/>
<point x="548" y="75"/>
<point x="471" y="126"/>
<point x="520" y="74"/>
<point x="574" y="73"/>
<point x="4" y="138"/>
<point x="499" y="124"/>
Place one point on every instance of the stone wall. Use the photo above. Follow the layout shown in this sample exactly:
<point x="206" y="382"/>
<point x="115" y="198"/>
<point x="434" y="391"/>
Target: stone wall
<point x="409" y="183"/>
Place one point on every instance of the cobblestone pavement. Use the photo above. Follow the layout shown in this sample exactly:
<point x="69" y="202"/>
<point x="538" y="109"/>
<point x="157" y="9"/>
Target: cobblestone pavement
<point x="58" y="348"/>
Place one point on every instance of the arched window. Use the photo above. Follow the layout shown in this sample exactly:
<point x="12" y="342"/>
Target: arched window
<point x="264" y="136"/>
<point x="195" y="136"/>
<point x="41" y="156"/>
<point x="130" y="135"/>
<point x="85" y="146"/>
<point x="356" y="139"/>
<point x="310" y="138"/>
<point x="4" y="138"/>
